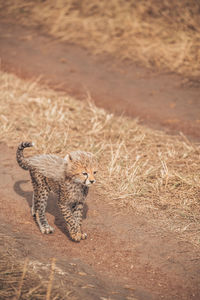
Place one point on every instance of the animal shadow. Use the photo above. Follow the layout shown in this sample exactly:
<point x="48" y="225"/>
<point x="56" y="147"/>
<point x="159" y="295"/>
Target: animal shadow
<point x="52" y="207"/>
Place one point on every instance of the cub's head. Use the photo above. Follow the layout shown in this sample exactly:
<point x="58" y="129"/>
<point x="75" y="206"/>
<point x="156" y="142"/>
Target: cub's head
<point x="81" y="167"/>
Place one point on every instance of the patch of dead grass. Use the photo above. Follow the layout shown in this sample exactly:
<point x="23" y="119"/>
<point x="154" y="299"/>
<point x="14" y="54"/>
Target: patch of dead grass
<point x="165" y="34"/>
<point x="140" y="168"/>
<point x="19" y="281"/>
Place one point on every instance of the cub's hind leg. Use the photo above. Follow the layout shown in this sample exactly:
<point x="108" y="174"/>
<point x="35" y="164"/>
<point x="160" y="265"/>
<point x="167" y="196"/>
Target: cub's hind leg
<point x="40" y="196"/>
<point x="40" y="212"/>
<point x="34" y="203"/>
<point x="34" y="206"/>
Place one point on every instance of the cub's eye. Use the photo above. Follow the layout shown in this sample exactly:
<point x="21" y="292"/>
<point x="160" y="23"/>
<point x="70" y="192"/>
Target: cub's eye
<point x="94" y="172"/>
<point x="84" y="173"/>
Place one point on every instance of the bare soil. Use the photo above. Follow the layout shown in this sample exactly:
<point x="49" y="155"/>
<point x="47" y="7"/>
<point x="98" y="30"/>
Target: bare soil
<point x="125" y="256"/>
<point x="161" y="100"/>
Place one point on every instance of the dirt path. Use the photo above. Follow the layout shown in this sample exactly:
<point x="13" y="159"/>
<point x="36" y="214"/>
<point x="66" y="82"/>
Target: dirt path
<point x="160" y="100"/>
<point x="124" y="255"/>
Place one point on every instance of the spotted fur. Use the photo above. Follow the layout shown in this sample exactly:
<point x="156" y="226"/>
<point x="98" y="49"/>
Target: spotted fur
<point x="69" y="178"/>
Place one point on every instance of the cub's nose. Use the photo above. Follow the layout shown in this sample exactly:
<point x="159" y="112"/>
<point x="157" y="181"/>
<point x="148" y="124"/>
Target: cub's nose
<point x="92" y="181"/>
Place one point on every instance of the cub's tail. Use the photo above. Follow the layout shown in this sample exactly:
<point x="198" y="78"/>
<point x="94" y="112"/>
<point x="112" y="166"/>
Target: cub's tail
<point x="22" y="161"/>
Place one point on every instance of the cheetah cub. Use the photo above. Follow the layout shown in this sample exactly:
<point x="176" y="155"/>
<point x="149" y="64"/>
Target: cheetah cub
<point x="69" y="178"/>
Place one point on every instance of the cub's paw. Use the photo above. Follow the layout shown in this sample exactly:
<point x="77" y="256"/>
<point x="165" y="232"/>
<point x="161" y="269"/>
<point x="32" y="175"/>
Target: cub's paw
<point x="77" y="237"/>
<point x="46" y="229"/>
<point x="84" y="236"/>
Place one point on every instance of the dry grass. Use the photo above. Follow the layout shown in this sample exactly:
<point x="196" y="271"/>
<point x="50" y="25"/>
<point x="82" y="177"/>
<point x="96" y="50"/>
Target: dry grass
<point x="19" y="281"/>
<point x="165" y="34"/>
<point x="50" y="284"/>
<point x="29" y="278"/>
<point x="141" y="168"/>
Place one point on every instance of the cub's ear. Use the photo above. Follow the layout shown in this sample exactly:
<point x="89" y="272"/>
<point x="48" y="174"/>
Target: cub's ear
<point x="68" y="158"/>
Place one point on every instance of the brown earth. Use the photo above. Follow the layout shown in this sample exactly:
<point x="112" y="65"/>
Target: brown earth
<point x="160" y="100"/>
<point x="125" y="256"/>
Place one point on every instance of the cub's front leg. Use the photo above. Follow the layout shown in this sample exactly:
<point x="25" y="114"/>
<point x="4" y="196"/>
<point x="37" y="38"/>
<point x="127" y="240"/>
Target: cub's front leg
<point x="73" y="223"/>
<point x="78" y="215"/>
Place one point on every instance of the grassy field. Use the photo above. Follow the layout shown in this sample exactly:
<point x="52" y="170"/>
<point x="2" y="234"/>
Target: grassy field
<point x="140" y="168"/>
<point x="161" y="34"/>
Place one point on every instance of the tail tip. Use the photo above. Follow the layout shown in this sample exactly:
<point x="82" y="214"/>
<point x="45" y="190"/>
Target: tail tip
<point x="26" y="144"/>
